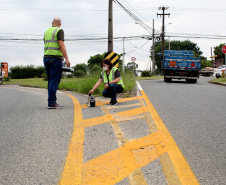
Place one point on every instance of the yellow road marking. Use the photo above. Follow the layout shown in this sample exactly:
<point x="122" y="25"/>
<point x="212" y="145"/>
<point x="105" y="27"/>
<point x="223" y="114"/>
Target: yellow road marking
<point x="131" y="112"/>
<point x="150" y="122"/>
<point x="132" y="155"/>
<point x="107" y="118"/>
<point x="72" y="173"/>
<point x="123" y="106"/>
<point x="168" y="169"/>
<point x="114" y="166"/>
<point x="136" y="177"/>
<point x="183" y="170"/>
<point x="129" y="118"/>
<point x="100" y="102"/>
<point x="98" y="120"/>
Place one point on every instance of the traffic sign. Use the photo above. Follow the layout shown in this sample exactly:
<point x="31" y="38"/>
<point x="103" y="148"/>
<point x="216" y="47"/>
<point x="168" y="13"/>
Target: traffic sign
<point x="113" y="57"/>
<point x="133" y="59"/>
<point x="224" y="49"/>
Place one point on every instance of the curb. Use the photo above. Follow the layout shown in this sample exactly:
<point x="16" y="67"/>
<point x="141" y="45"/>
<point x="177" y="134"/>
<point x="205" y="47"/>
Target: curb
<point x="218" y="83"/>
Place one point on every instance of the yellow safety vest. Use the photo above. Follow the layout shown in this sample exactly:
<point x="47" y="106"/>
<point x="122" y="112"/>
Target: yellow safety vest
<point x="111" y="77"/>
<point x="51" y="44"/>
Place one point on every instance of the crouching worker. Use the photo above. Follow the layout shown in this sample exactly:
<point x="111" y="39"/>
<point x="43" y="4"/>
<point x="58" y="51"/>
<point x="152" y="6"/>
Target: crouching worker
<point x="112" y="80"/>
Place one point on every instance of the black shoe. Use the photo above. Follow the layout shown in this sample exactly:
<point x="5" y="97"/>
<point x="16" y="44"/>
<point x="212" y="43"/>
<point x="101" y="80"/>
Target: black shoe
<point x="55" y="106"/>
<point x="114" y="102"/>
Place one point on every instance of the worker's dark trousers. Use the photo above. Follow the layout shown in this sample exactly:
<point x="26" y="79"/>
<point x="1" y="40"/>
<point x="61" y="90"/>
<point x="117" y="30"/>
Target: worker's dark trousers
<point x="54" y="73"/>
<point x="111" y="91"/>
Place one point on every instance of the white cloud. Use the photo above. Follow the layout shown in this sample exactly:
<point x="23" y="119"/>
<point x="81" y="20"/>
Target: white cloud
<point x="187" y="16"/>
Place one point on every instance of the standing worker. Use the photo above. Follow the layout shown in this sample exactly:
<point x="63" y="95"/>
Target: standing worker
<point x="54" y="54"/>
<point x="112" y="80"/>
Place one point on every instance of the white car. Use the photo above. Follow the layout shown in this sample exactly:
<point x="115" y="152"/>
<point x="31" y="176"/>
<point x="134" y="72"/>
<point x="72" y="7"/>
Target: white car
<point x="218" y="71"/>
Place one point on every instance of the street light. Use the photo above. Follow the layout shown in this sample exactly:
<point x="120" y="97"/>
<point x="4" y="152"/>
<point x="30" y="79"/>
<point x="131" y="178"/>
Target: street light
<point x="169" y="37"/>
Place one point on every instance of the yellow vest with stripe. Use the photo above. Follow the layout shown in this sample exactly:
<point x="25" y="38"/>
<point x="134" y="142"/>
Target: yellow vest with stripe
<point x="111" y="77"/>
<point x="51" y="44"/>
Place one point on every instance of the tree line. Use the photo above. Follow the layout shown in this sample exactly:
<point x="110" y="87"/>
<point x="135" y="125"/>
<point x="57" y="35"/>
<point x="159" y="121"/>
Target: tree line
<point x="81" y="70"/>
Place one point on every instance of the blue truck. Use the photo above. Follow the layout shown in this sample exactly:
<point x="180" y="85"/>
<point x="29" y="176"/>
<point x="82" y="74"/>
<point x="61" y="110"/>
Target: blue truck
<point x="181" y="64"/>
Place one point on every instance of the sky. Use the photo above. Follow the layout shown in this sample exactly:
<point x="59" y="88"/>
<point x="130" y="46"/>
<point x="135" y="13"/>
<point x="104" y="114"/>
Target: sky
<point x="85" y="19"/>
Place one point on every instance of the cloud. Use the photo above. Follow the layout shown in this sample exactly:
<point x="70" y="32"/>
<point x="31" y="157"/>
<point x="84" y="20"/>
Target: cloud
<point x="30" y="19"/>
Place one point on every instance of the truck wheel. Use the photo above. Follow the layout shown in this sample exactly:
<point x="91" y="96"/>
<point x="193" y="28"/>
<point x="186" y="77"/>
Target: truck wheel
<point x="167" y="79"/>
<point x="192" y="81"/>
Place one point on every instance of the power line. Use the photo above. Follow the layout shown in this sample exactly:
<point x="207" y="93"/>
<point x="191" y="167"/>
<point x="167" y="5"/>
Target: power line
<point x="135" y="18"/>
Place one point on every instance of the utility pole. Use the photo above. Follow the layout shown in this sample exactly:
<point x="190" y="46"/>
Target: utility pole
<point x="123" y="62"/>
<point x="153" y="47"/>
<point x="212" y="56"/>
<point x="163" y="32"/>
<point x="110" y="27"/>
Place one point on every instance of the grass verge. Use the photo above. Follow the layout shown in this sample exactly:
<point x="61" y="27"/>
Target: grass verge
<point x="219" y="80"/>
<point x="150" y="78"/>
<point x="78" y="85"/>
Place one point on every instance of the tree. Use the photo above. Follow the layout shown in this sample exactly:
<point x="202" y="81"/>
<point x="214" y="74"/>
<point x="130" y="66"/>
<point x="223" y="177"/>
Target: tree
<point x="133" y="66"/>
<point x="176" y="45"/>
<point x="80" y="70"/>
<point x="83" y="67"/>
<point x="218" y="51"/>
<point x="95" y="69"/>
<point x="96" y="60"/>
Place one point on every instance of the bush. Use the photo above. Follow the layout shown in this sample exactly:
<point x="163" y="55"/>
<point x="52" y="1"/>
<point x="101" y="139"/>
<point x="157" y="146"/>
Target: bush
<point x="80" y="70"/>
<point x="69" y="76"/>
<point x="79" y="73"/>
<point x="95" y="69"/>
<point x="29" y="71"/>
<point x="145" y="73"/>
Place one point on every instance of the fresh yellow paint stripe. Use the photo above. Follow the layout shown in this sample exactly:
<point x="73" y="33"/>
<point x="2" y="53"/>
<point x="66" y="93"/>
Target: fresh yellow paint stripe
<point x="131" y="112"/>
<point x="106" y="118"/>
<point x="114" y="166"/>
<point x="72" y="173"/>
<point x="183" y="170"/>
<point x="136" y="177"/>
<point x="99" y="102"/>
<point x="97" y="120"/>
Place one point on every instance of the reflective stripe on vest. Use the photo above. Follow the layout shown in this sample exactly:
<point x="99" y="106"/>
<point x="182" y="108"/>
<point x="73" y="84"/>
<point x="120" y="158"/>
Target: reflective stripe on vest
<point x="51" y="44"/>
<point x="111" y="77"/>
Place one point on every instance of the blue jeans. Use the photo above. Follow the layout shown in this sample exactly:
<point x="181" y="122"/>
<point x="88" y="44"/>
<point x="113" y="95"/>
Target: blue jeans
<point x="54" y="74"/>
<point x="111" y="91"/>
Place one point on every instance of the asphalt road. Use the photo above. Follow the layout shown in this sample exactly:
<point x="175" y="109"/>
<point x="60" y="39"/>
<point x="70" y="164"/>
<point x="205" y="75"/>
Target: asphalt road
<point x="33" y="140"/>
<point x="195" y="115"/>
<point x="37" y="144"/>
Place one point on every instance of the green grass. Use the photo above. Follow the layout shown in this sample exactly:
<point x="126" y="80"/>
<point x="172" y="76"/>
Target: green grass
<point x="149" y="78"/>
<point x="219" y="80"/>
<point x="78" y="85"/>
<point x="37" y="82"/>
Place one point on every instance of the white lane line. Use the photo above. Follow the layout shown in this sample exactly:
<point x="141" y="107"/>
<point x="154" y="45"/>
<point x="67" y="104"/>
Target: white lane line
<point x="139" y="86"/>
